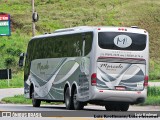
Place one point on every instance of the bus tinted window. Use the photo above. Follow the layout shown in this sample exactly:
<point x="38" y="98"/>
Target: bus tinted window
<point x="57" y="46"/>
<point x="122" y="41"/>
<point x="88" y="42"/>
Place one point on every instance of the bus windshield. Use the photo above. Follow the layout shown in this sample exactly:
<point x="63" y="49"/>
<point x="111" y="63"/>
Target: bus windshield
<point x="122" y="41"/>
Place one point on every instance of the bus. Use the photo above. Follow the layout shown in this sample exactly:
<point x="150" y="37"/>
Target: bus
<point x="105" y="66"/>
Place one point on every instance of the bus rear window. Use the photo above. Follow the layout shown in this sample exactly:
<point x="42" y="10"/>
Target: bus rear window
<point x="122" y="41"/>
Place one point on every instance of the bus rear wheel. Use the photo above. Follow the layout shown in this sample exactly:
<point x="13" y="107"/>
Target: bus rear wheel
<point x="112" y="107"/>
<point x="77" y="104"/>
<point x="68" y="100"/>
<point x="124" y="106"/>
<point x="117" y="107"/>
<point x="35" y="102"/>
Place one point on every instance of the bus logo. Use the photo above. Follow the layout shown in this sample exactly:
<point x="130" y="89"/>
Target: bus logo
<point x="122" y="41"/>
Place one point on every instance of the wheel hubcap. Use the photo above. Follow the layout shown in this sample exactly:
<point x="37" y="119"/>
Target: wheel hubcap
<point x="75" y="99"/>
<point x="67" y="98"/>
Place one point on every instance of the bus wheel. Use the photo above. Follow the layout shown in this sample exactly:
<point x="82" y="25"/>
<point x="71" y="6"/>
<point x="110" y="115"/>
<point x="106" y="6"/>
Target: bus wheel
<point x="109" y="107"/>
<point x="77" y="105"/>
<point x="124" y="106"/>
<point x="112" y="107"/>
<point x="68" y="100"/>
<point x="35" y="102"/>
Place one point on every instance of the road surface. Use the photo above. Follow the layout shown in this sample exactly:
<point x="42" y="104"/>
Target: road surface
<point x="15" y="91"/>
<point x="19" y="107"/>
<point x="154" y="84"/>
<point x="10" y="92"/>
<point x="59" y="109"/>
<point x="90" y="112"/>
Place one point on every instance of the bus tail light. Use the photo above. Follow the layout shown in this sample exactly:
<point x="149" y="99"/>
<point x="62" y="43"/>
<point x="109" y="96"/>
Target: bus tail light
<point x="146" y="81"/>
<point x="122" y="29"/>
<point x="99" y="28"/>
<point x="94" y="79"/>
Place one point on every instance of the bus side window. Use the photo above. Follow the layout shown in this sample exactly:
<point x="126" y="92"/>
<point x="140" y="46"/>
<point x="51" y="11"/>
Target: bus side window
<point x="77" y="48"/>
<point x="58" y="47"/>
<point x="88" y="42"/>
<point x="64" y="48"/>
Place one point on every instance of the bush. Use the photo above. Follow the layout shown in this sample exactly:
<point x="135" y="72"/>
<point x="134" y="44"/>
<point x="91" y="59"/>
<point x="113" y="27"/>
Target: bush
<point x="154" y="70"/>
<point x="18" y="52"/>
<point x="10" y="51"/>
<point x="13" y="52"/>
<point x="2" y="46"/>
<point x="153" y="91"/>
<point x="9" y="61"/>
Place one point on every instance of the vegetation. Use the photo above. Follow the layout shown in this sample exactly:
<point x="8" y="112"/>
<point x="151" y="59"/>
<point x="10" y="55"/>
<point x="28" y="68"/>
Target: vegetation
<point x="20" y="99"/>
<point x="15" y="82"/>
<point x="153" y="96"/>
<point x="55" y="14"/>
<point x="17" y="99"/>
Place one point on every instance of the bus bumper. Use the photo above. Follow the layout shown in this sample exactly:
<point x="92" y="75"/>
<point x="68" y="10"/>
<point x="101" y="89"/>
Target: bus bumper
<point x="132" y="97"/>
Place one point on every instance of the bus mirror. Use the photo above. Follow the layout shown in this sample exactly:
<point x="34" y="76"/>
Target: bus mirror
<point x="21" y="59"/>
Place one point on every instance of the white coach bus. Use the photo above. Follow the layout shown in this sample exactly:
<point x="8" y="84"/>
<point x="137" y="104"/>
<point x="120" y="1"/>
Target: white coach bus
<point x="106" y="66"/>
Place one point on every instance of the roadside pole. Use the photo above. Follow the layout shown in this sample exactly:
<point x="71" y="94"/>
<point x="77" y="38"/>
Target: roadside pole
<point x="8" y="76"/>
<point x="33" y="23"/>
<point x="35" y="18"/>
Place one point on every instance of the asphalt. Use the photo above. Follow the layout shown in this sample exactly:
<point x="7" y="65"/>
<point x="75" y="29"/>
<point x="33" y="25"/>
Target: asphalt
<point x="154" y="83"/>
<point x="9" y="92"/>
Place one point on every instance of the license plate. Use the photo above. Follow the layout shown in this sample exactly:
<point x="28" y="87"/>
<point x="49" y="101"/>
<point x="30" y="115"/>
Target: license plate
<point x="120" y="87"/>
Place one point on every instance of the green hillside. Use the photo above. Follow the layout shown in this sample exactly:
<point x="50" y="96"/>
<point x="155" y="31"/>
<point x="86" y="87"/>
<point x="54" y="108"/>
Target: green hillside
<point x="54" y="14"/>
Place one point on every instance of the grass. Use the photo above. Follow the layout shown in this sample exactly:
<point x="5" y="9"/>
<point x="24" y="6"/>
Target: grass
<point x="154" y="81"/>
<point x="20" y="99"/>
<point x="10" y="48"/>
<point x="17" y="99"/>
<point x="55" y="14"/>
<point x="154" y="70"/>
<point x="153" y="91"/>
<point x="152" y="100"/>
<point x="15" y="82"/>
<point x="153" y="97"/>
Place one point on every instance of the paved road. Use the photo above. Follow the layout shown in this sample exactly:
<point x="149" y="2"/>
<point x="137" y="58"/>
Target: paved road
<point x="54" y="108"/>
<point x="19" y="107"/>
<point x="59" y="112"/>
<point x="16" y="91"/>
<point x="10" y="92"/>
<point x="154" y="83"/>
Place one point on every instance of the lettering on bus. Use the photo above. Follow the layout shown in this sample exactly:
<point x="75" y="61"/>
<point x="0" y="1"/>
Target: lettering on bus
<point x="121" y="54"/>
<point x="111" y="66"/>
<point x="42" y="67"/>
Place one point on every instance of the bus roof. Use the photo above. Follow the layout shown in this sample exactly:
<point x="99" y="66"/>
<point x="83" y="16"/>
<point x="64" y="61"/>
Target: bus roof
<point x="93" y="28"/>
